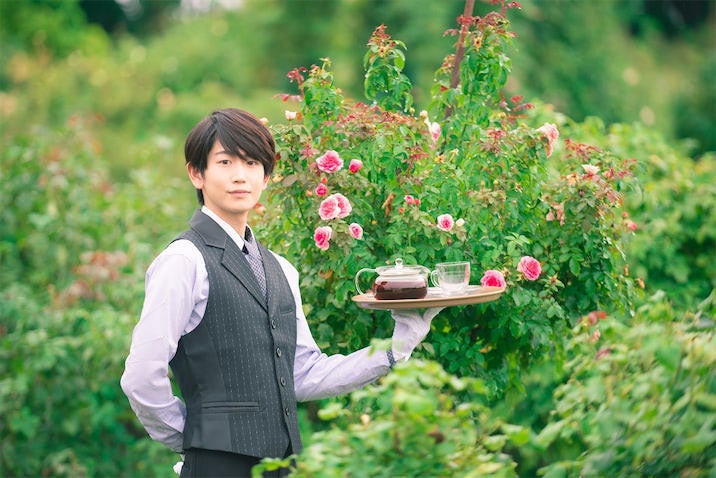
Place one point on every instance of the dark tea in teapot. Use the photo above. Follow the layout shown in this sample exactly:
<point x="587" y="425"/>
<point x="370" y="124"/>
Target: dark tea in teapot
<point x="400" y="288"/>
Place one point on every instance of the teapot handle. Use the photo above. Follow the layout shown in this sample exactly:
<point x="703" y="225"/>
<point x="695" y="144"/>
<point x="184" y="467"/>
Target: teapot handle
<point x="358" y="274"/>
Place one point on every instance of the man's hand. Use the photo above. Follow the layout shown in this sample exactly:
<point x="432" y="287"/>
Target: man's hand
<point x="411" y="327"/>
<point x="179" y="465"/>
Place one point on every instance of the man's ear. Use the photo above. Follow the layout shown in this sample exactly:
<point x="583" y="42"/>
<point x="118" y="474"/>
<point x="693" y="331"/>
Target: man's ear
<point x="197" y="178"/>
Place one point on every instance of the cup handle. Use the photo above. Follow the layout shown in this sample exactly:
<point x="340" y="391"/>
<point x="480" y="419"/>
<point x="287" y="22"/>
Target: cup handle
<point x="356" y="278"/>
<point x="435" y="279"/>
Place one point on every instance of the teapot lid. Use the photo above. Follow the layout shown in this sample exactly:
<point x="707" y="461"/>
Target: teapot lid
<point x="400" y="269"/>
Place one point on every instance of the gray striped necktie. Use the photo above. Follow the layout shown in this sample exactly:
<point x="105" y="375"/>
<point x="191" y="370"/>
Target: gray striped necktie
<point x="253" y="255"/>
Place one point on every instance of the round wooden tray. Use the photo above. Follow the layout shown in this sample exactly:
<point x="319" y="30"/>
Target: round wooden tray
<point x="475" y="294"/>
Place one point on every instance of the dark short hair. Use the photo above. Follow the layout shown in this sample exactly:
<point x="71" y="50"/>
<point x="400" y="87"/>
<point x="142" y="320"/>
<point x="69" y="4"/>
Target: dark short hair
<point x="238" y="131"/>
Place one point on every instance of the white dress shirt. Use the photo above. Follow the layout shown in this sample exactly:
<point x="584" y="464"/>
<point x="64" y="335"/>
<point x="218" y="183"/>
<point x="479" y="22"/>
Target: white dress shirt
<point x="176" y="293"/>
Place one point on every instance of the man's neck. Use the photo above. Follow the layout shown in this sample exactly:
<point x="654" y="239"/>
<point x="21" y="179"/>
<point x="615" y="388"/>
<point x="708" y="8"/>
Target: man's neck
<point x="237" y="223"/>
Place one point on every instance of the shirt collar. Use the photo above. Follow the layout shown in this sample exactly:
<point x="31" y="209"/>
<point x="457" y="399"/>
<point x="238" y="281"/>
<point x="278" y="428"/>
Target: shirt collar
<point x="235" y="236"/>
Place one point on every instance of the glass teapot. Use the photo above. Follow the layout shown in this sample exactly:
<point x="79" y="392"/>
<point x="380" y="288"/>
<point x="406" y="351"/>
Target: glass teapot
<point x="397" y="282"/>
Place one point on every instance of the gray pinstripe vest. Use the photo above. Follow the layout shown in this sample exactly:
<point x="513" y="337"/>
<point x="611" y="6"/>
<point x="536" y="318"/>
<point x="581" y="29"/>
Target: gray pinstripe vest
<point x="235" y="370"/>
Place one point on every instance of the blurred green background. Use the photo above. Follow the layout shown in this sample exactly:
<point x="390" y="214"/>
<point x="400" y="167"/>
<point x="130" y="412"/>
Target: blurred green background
<point x="97" y="96"/>
<point x="150" y="67"/>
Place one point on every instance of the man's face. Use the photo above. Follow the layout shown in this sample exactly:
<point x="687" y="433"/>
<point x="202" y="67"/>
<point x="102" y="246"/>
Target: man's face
<point x="232" y="186"/>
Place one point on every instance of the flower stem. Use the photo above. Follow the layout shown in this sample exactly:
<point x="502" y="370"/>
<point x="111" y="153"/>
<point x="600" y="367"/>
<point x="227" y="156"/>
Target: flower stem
<point x="460" y="52"/>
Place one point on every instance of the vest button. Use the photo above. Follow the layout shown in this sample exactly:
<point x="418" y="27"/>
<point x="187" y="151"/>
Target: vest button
<point x="273" y="324"/>
<point x="288" y="412"/>
<point x="283" y="381"/>
<point x="278" y="351"/>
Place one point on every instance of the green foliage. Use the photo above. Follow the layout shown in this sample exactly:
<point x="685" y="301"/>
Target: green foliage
<point x="488" y="169"/>
<point x="53" y="220"/>
<point x="385" y="82"/>
<point x="63" y="411"/>
<point x="695" y="114"/>
<point x="678" y="214"/>
<point x="672" y="207"/>
<point x="74" y="248"/>
<point x="640" y="399"/>
<point x="141" y="92"/>
<point x="620" y="65"/>
<point x="64" y="205"/>
<point x="54" y="27"/>
<point x="418" y="421"/>
<point x="572" y="66"/>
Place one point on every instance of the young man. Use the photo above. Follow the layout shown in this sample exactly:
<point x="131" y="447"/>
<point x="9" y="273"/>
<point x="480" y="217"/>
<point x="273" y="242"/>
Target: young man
<point x="225" y="313"/>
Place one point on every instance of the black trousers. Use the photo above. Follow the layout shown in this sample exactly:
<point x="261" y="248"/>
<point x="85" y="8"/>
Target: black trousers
<point x="200" y="463"/>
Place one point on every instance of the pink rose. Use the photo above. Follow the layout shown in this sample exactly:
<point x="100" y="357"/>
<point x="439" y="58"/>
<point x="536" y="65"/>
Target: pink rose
<point x="355" y="165"/>
<point x="308" y="151"/>
<point x="329" y="209"/>
<point x="321" y="236"/>
<point x="433" y="128"/>
<point x="556" y="213"/>
<point x="550" y="132"/>
<point x="445" y="222"/>
<point x="355" y="230"/>
<point x="409" y="199"/>
<point x="344" y="206"/>
<point x="493" y="278"/>
<point x="321" y="190"/>
<point x="329" y="162"/>
<point x="590" y="169"/>
<point x="529" y="267"/>
<point x="334" y="206"/>
<point x="435" y="131"/>
<point x="595" y="316"/>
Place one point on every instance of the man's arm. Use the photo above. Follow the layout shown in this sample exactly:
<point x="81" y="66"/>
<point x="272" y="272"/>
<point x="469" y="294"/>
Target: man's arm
<point x="173" y="286"/>
<point x="317" y="375"/>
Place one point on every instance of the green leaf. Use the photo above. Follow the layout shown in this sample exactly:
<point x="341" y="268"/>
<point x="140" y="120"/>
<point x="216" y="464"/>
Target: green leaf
<point x="495" y="442"/>
<point x="518" y="435"/>
<point x="521" y="297"/>
<point x="550" y="433"/>
<point x="699" y="442"/>
<point x="25" y="423"/>
<point x="669" y="356"/>
<point x="332" y="411"/>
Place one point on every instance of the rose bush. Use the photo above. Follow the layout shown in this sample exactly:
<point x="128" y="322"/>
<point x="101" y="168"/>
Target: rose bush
<point x="476" y="177"/>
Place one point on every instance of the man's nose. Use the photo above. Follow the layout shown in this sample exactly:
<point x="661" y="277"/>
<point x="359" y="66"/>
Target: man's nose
<point x="238" y="173"/>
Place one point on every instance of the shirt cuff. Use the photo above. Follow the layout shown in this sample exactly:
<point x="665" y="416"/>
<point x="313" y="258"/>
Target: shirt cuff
<point x="391" y="359"/>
